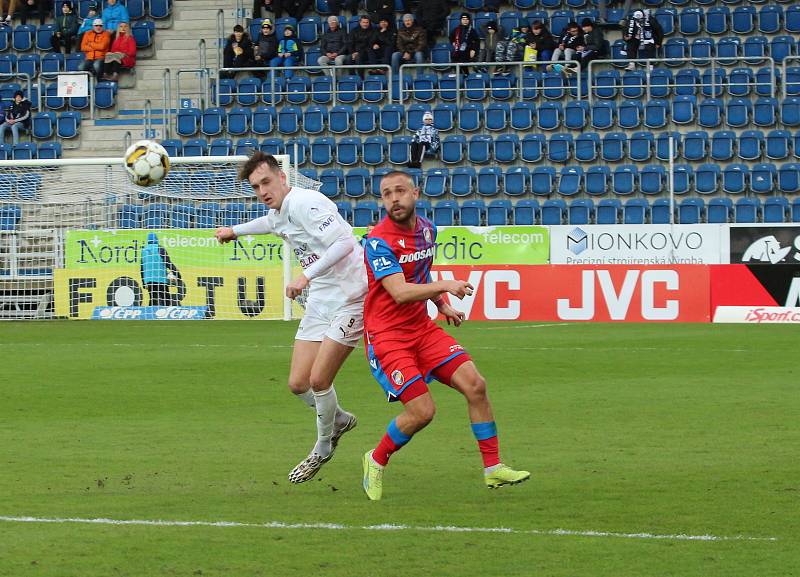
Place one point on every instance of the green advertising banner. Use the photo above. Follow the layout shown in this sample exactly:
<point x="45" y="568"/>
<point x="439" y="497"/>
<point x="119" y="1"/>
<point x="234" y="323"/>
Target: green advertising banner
<point x="496" y="245"/>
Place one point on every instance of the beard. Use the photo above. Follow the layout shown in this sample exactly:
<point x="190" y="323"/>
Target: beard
<point x="401" y="216"/>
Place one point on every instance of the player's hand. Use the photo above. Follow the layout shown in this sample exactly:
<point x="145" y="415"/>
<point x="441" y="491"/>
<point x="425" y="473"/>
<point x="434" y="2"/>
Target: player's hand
<point x="451" y="315"/>
<point x="225" y="234"/>
<point x="294" y="288"/>
<point x="458" y="288"/>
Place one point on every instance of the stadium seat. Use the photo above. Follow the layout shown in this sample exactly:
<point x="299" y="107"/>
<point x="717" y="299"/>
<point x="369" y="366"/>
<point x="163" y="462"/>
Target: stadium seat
<point x="549" y="116"/>
<point x="436" y="182"/>
<point x="273" y="146"/>
<point x="690" y="21"/>
<point x="587" y="146"/>
<point x="751" y="143"/>
<point x="321" y="88"/>
<point x="624" y="179"/>
<point x="790" y="111"/>
<point x="532" y="147"/>
<point x="516" y="181"/>
<point x="683" y="109"/>
<point x="374" y="150"/>
<point x="613" y="146"/>
<point x="238" y="121"/>
<point x="68" y="124"/>
<point x="581" y="211"/>
<point x="709" y="113"/>
<point x="340" y="118"/>
<point x="462" y="181"/>
<point x="719" y="211"/>
<point x="737" y="112"/>
<point x="735" y="178"/>
<point x="747" y="210"/>
<point x="729" y="48"/>
<point x="470" y="117"/>
<point x="762" y="178"/>
<point x="674" y="49"/>
<point x="722" y="145"/>
<point x="453" y="148"/>
<point x="506" y="148"/>
<point x="603" y="115"/>
<point x="755" y="48"/>
<point x="188" y="121"/>
<point x="444" y="213"/>
<point x="776" y="209"/>
<point x="297" y="146"/>
<point x="473" y="213"/>
<point x="765" y="111"/>
<point x="543" y="180"/>
<point x="712" y="82"/>
<point x="425" y="209"/>
<point x="691" y="211"/>
<point x="414" y="114"/>
<point x="554" y="212"/>
<point x="570" y="180"/>
<point x="348" y="151"/>
<point x="789" y="178"/>
<point x="129" y="216"/>
<point x="498" y="213"/>
<point x="559" y="148"/>
<point x="717" y="19"/>
<point x="576" y="115"/>
<point x="633" y="84"/>
<point x="652" y="179"/>
<point x="444" y="116"/>
<point x="597" y="179"/>
<point x="526" y="212"/>
<point x="49" y="150"/>
<point x="640" y="146"/>
<point x="655" y="113"/>
<point x="356" y="181"/>
<point x="195" y="147"/>
<point x="608" y="211"/>
<point x="220" y="147"/>
<point x="629" y="114"/>
<point x="289" y="119"/>
<point x="365" y="119"/>
<point x="43" y="125"/>
<point x="24" y="151"/>
<point x="497" y="114"/>
<point x="706" y="178"/>
<point x="660" y="211"/>
<point x="157" y="215"/>
<point x="399" y="149"/>
<point x="695" y="145"/>
<point x="332" y="180"/>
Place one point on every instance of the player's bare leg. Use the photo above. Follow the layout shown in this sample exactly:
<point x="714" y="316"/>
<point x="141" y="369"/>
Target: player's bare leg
<point x="469" y="382"/>
<point x="314" y="366"/>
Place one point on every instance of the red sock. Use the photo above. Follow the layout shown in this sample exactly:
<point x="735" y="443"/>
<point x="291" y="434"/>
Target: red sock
<point x="490" y="451"/>
<point x="384" y="450"/>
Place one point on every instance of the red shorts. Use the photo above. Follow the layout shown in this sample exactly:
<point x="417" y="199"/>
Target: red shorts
<point x="398" y="361"/>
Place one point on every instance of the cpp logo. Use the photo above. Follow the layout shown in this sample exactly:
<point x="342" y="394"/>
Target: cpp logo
<point x="577" y="241"/>
<point x="120" y="313"/>
<point x="176" y="313"/>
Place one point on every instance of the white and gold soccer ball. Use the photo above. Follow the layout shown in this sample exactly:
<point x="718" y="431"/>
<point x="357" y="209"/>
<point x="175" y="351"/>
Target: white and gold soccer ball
<point x="147" y="162"/>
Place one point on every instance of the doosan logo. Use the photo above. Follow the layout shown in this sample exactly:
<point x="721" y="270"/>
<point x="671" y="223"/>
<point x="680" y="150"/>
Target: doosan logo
<point x="418" y="255"/>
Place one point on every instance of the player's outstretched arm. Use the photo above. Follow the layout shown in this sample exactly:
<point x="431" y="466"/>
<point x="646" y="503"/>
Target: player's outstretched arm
<point x="225" y="234"/>
<point x="258" y="225"/>
<point x="404" y="292"/>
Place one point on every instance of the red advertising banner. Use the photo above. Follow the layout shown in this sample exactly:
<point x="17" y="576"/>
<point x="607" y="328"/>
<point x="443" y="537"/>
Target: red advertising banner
<point x="583" y="293"/>
<point x="755" y="293"/>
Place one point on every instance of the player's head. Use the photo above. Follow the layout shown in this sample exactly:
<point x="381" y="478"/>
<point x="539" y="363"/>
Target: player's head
<point x="264" y="174"/>
<point x="399" y="196"/>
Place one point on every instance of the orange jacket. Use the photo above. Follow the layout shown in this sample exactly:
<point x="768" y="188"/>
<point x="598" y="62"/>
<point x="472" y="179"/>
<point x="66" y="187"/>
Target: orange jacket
<point x="95" y="45"/>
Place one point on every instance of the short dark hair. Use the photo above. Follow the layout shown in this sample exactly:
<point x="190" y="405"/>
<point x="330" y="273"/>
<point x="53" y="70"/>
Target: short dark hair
<point x="257" y="159"/>
<point x="238" y="28"/>
<point x="399" y="173"/>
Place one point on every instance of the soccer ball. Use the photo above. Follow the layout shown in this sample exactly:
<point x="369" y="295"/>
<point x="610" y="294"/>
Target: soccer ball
<point x="147" y="162"/>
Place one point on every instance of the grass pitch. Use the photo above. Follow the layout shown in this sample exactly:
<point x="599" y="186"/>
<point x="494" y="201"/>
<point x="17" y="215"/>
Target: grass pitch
<point x="660" y="429"/>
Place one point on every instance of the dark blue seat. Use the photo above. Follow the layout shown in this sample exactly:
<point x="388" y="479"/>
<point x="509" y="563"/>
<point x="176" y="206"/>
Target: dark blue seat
<point x="652" y="179"/>
<point x="462" y="181"/>
<point x="559" y="148"/>
<point x="695" y="145"/>
<point x="375" y="149"/>
<point x="340" y="118"/>
<point x="516" y="181"/>
<point x="629" y="114"/>
<point x="747" y="210"/>
<point x="743" y="20"/>
<point x="532" y="147"/>
<point x="526" y="212"/>
<point x="506" y="148"/>
<point x="356" y="183"/>
<point x="777" y="209"/>
<point x="625" y="179"/>
<point x="499" y="212"/>
<point x="473" y="213"/>
<point x="453" y="148"/>
<point x="719" y="210"/>
<point x="722" y="145"/>
<point x="444" y="213"/>
<point x="543" y="180"/>
<point x="789" y="178"/>
<point x="554" y="211"/>
<point x="332" y="180"/>
<point x="399" y="149"/>
<point x="706" y="178"/>
<point x="608" y="211"/>
<point x="437" y="182"/>
<point x="751" y="142"/>
<point x="570" y="180"/>
<point x="763" y="177"/>
<point x="587" y="146"/>
<point x="581" y="211"/>
<point x="603" y="115"/>
<point x="597" y="179"/>
<point x="262" y="120"/>
<point x="636" y="211"/>
<point x="691" y="211"/>
<point x="640" y="146"/>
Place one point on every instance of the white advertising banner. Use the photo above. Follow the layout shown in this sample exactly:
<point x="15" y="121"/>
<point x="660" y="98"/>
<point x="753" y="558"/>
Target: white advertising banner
<point x="68" y="85"/>
<point x="652" y="244"/>
<point x="757" y="315"/>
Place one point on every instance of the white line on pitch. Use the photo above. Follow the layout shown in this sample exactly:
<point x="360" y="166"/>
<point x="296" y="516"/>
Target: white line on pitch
<point x="387" y="527"/>
<point x="544" y="325"/>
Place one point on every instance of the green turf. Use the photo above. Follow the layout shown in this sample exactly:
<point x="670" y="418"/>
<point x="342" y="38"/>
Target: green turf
<point x="666" y="429"/>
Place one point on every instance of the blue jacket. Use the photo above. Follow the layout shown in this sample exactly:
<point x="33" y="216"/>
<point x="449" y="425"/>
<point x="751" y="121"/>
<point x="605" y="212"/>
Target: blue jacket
<point x="154" y="267"/>
<point x="113" y="15"/>
<point x="86" y="24"/>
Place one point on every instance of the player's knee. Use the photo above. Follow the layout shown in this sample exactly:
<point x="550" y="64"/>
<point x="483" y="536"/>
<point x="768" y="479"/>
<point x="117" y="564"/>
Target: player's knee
<point x="476" y="389"/>
<point x="319" y="383"/>
<point x="297" y="386"/>
<point x="423" y="414"/>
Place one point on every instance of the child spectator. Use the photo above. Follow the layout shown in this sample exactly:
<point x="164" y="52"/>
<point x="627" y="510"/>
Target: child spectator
<point x="543" y="41"/>
<point x="643" y="36"/>
<point x="18" y="117"/>
<point x="464" y="42"/>
<point x="567" y="45"/>
<point x="238" y="51"/>
<point x="66" y="30"/>
<point x="512" y="48"/>
<point x="290" y="53"/>
<point x="425" y="141"/>
<point x="491" y="38"/>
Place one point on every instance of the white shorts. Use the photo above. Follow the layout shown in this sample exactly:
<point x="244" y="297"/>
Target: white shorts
<point x="345" y="325"/>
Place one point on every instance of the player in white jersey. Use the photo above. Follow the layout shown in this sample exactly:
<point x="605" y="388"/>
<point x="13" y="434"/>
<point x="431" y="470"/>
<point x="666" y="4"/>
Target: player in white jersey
<point x="333" y="269"/>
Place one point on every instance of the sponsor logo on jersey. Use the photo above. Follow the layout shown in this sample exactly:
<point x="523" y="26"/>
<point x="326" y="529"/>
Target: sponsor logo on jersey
<point x="326" y="223"/>
<point x="381" y="264"/>
<point x="418" y="255"/>
<point x="426" y="234"/>
<point x="454" y="348"/>
<point x="306" y="262"/>
<point x="402" y="242"/>
<point x="398" y="378"/>
<point x="373" y="244"/>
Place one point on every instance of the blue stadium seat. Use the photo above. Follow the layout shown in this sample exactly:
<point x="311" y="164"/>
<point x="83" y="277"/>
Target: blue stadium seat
<point x="683" y="178"/>
<point x="683" y="109"/>
<point x="652" y="179"/>
<point x="581" y="211"/>
<point x="629" y="114"/>
<point x="238" y="121"/>
<point x="49" y="150"/>
<point x="470" y="117"/>
<point x="608" y="211"/>
<point x="262" y="120"/>
<point x="497" y="114"/>
<point x="729" y="48"/>
<point x="789" y="178"/>
<point x="662" y="145"/>
<point x="345" y="209"/>
<point x="220" y="147"/>
<point x="661" y="80"/>
<point x="348" y="151"/>
<point x="321" y="88"/>
<point x="444" y="116"/>
<point x="796" y="210"/>
<point x="570" y="181"/>
<point x="597" y="180"/>
<point x="462" y="181"/>
<point x="606" y="83"/>
<point x="173" y="146"/>
<point x="43" y="125"/>
<point x="399" y="149"/>
<point x="717" y="19"/>
<point x="737" y="112"/>
<point x="349" y="88"/>
<point x="375" y="88"/>
<point x="506" y="148"/>
<point x="751" y="143"/>
<point x="188" y="121"/>
<point x="554" y="211"/>
<point x="526" y="212"/>
<point x="516" y="181"/>
<point x="340" y="118"/>
<point x="655" y="113"/>
<point x="473" y="213"/>
<point x="129" y="216"/>
<point x="743" y="20"/>
<point x="690" y="21"/>
<point x="770" y="18"/>
<point x="356" y="182"/>
<point x="695" y="145"/>
<point x="559" y="148"/>
<point x="712" y="82"/>
<point x="532" y="147"/>
<point x="640" y="146"/>
<point x="719" y="211"/>
<point x="777" y="209"/>
<point x="687" y="81"/>
<point x="700" y="50"/>
<point x="778" y="144"/>
<point x="709" y="113"/>
<point x="790" y="111"/>
<point x="706" y="178"/>
<point x="444" y="213"/>
<point x="755" y="49"/>
<point x="722" y="145"/>
<point x="315" y="118"/>
<point x="675" y="48"/>
<point x="587" y="146"/>
<point x="436" y="182"/>
<point x="453" y="148"/>
<point x="24" y="151"/>
<point x="614" y="145"/>
<point x="374" y="150"/>
<point x="182" y="216"/>
<point x="740" y="81"/>
<point x="765" y="111"/>
<point x="603" y="115"/>
<point x="68" y="124"/>
<point x="763" y="177"/>
<point x="332" y="180"/>
<point x="549" y="116"/>
<point x="212" y="121"/>
<point x="365" y="118"/>
<point x="633" y="84"/>
<point x="207" y="215"/>
<point x="499" y="212"/>
<point x="624" y="179"/>
<point x="156" y="215"/>
<point x="195" y="147"/>
<point x="576" y="115"/>
<point x="424" y="208"/>
<point x="660" y="211"/>
<point x="299" y="146"/>
<point x="691" y="211"/>
<point x="391" y="117"/>
<point x="747" y="210"/>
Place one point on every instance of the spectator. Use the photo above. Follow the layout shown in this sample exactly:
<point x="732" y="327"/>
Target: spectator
<point x="11" y="8"/>
<point x="360" y="41"/>
<point x="114" y="13"/>
<point x="296" y="8"/>
<point x="411" y="43"/>
<point x="464" y="42"/>
<point x="432" y="15"/>
<point x="66" y="30"/>
<point x="17" y="117"/>
<point x="272" y="8"/>
<point x="567" y="45"/>
<point x="384" y="39"/>
<point x="335" y="6"/>
<point x="290" y="53"/>
<point x="543" y="41"/>
<point x="333" y="44"/>
<point x="94" y="45"/>
<point x="238" y="51"/>
<point x="86" y="23"/>
<point x="594" y="45"/>
<point x="425" y="141"/>
<point x="512" y="48"/>
<point x="41" y="7"/>
<point x="643" y="37"/>
<point x="377" y="9"/>
<point x="266" y="45"/>
<point x="491" y="37"/>
<point x="122" y="55"/>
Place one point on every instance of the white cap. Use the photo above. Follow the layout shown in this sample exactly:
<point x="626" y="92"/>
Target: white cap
<point x="638" y="15"/>
<point x="428" y="115"/>
<point x="97" y="21"/>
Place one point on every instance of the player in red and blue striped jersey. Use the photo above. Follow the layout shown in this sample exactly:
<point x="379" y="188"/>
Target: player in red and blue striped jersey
<point x="405" y="348"/>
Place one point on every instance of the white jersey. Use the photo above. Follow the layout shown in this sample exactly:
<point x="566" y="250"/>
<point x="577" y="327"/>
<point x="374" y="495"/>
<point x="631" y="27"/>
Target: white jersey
<point x="311" y="223"/>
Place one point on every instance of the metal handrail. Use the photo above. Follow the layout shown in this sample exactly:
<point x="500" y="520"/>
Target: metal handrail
<point x="649" y="61"/>
<point x="783" y="73"/>
<point x="127" y="139"/>
<point x="201" y="53"/>
<point x="271" y="73"/>
<point x="220" y="36"/>
<point x="520" y="65"/>
<point x="148" y="118"/>
<point x="203" y="74"/>
<point x="166" y="104"/>
<point x="27" y="77"/>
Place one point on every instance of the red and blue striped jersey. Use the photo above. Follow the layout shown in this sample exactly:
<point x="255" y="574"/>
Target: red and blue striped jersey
<point x="391" y="249"/>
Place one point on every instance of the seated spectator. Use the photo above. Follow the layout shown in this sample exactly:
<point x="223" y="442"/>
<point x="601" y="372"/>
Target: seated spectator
<point x="94" y="45"/>
<point x="384" y="39"/>
<point x="66" y="30"/>
<point x="425" y="141"/>
<point x="567" y="45"/>
<point x="543" y="41"/>
<point x="491" y="37"/>
<point x="333" y="44"/>
<point x="377" y="9"/>
<point x="122" y="55"/>
<point x="643" y="36"/>
<point x="594" y="45"/>
<point x="86" y="23"/>
<point x="336" y="6"/>
<point x="411" y="43"/>
<point x="432" y="16"/>
<point x="296" y="8"/>
<point x="114" y="13"/>
<point x="290" y="52"/>
<point x="265" y="47"/>
<point x="10" y="8"/>
<point x="272" y="8"/>
<point x="41" y="6"/>
<point x="17" y="118"/>
<point x="360" y="41"/>
<point x="464" y="42"/>
<point x="513" y="48"/>
<point x="238" y="51"/>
